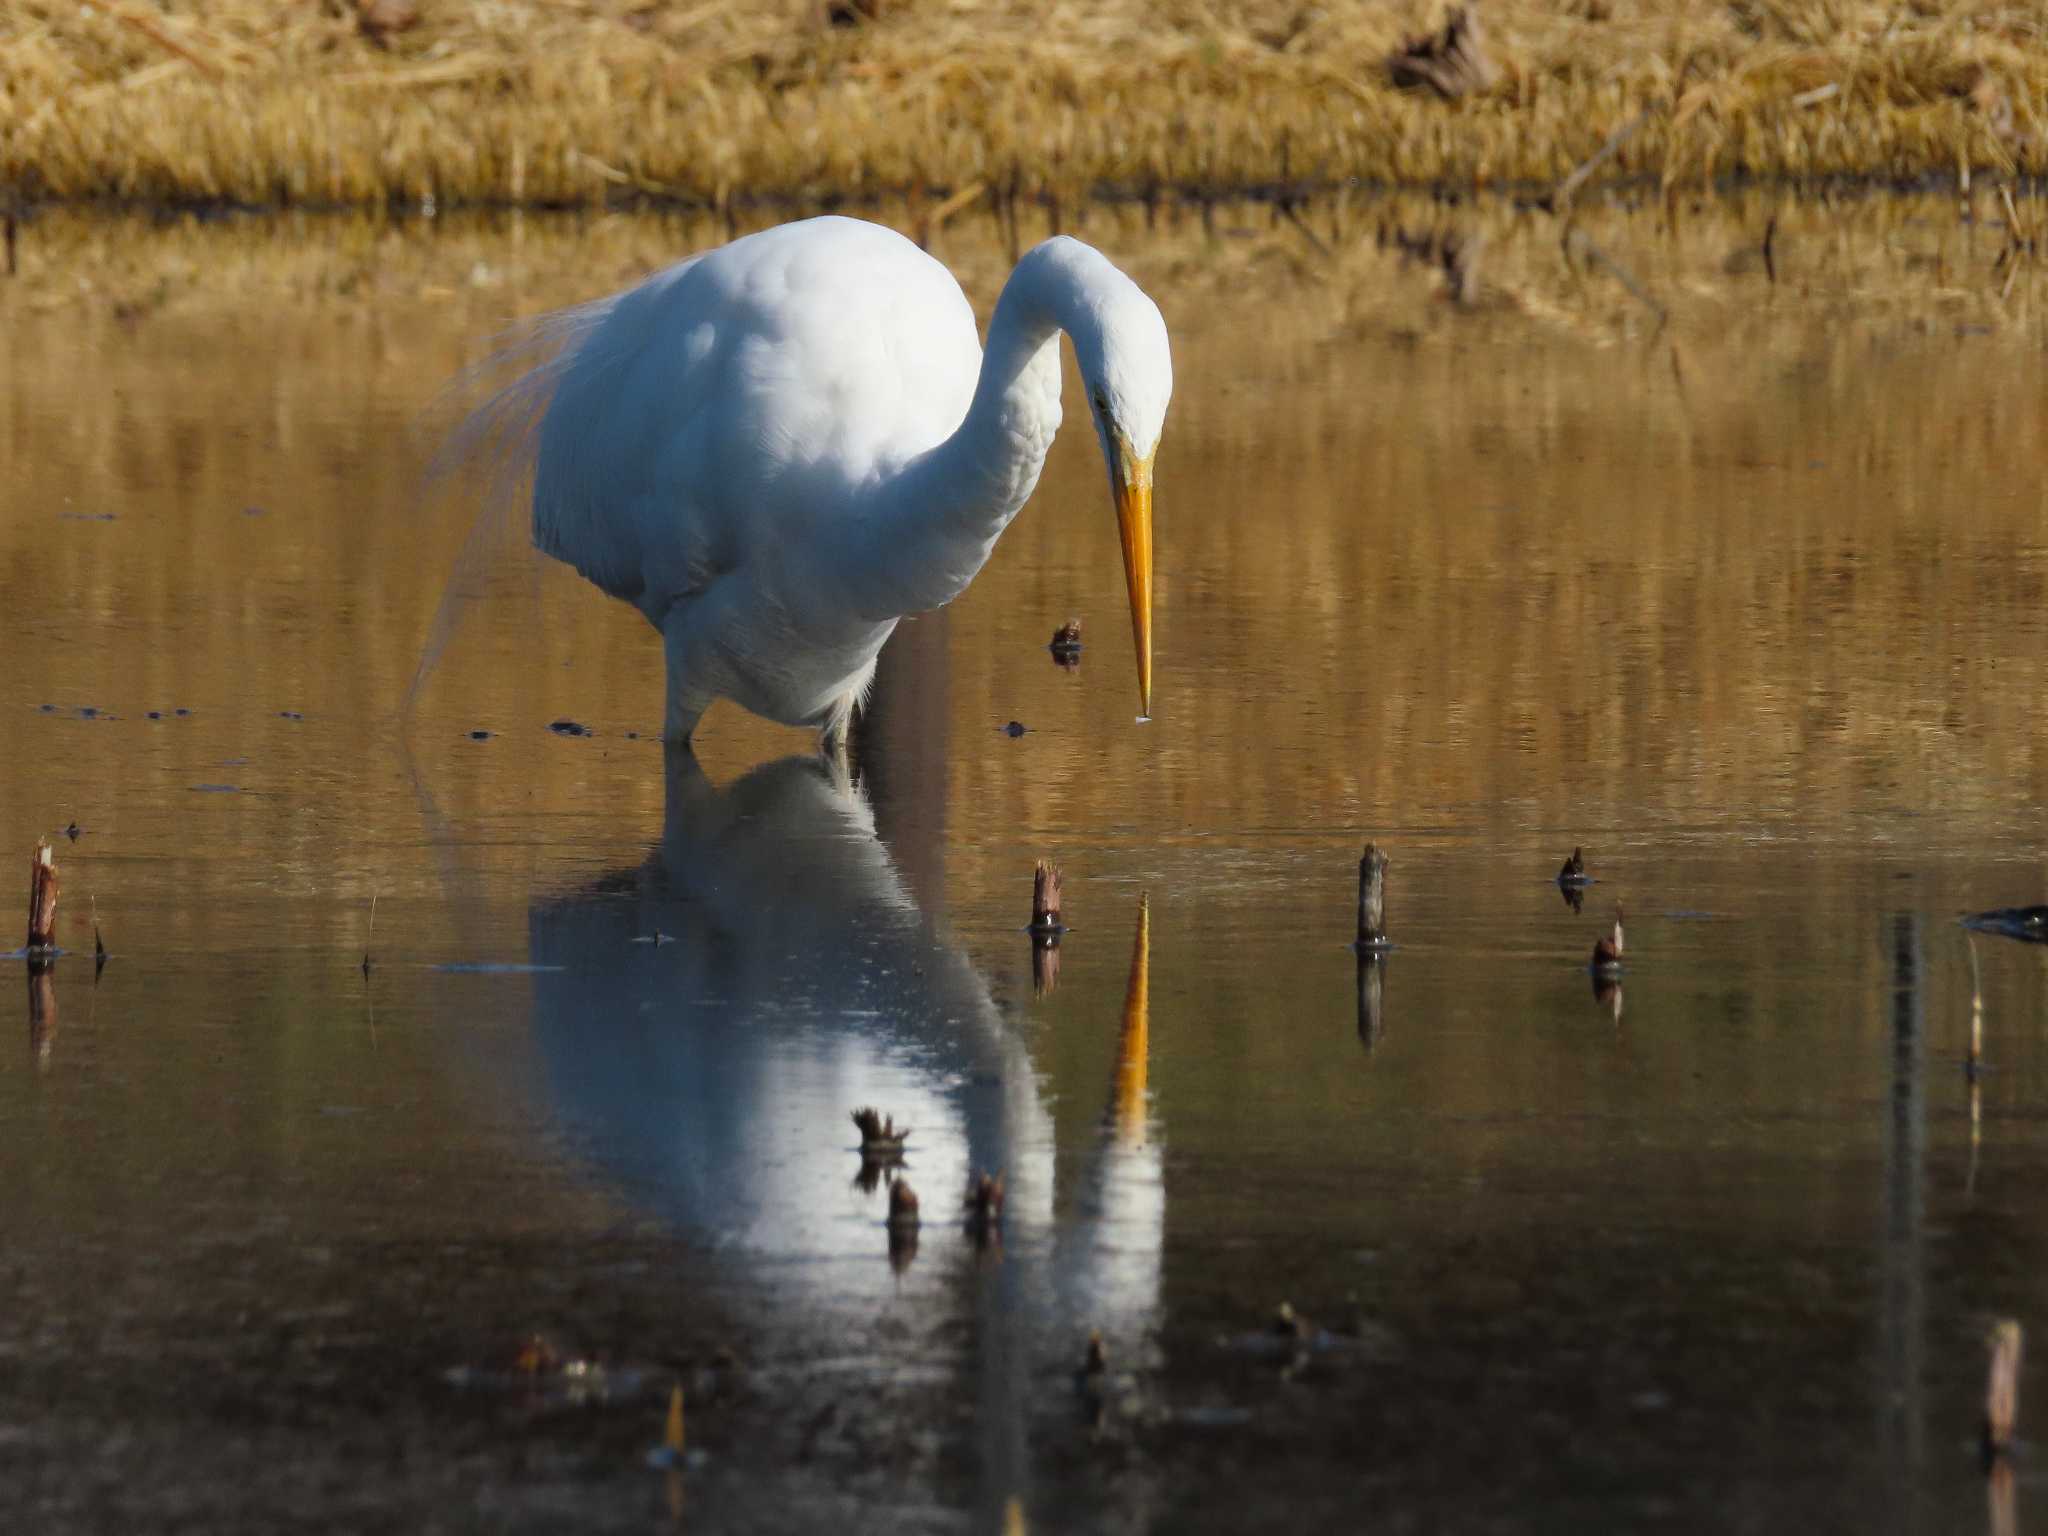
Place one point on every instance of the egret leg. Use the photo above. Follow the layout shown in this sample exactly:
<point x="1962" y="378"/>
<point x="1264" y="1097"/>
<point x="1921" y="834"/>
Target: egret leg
<point x="686" y="705"/>
<point x="834" y="748"/>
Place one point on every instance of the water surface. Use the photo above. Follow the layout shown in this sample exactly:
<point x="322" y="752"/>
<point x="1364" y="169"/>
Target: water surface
<point x="1745" y="597"/>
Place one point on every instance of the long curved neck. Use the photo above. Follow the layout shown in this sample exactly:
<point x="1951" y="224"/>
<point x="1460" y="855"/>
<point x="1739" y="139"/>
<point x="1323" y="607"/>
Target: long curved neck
<point x="934" y="523"/>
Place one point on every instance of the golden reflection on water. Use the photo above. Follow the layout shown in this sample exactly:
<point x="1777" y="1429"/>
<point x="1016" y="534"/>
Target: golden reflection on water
<point x="1483" y="580"/>
<point x="1542" y="558"/>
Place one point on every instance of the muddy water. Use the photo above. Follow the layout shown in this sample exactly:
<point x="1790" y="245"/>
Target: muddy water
<point x="1737" y="584"/>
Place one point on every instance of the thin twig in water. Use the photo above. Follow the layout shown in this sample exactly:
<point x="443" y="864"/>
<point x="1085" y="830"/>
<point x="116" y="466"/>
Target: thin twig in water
<point x="1561" y="199"/>
<point x="1587" y="245"/>
<point x="1287" y="212"/>
<point x="370" y="936"/>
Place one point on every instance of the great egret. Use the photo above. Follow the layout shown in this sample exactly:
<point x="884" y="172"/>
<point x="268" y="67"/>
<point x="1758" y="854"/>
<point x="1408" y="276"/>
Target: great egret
<point x="777" y="449"/>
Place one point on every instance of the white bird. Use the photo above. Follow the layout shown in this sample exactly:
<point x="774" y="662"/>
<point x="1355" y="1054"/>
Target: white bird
<point x="777" y="449"/>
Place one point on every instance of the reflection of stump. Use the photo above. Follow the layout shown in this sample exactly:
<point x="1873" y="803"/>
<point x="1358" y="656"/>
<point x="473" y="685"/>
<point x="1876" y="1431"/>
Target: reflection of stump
<point x="902" y="1248"/>
<point x="1372" y="983"/>
<point x="1449" y="251"/>
<point x="1607" y="993"/>
<point x="1452" y="62"/>
<point x="1045" y="963"/>
<point x="2002" y="1391"/>
<point x="42" y="1008"/>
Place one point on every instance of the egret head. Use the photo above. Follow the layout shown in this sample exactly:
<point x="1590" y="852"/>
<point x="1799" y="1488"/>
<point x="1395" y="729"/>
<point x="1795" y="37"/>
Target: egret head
<point x="1128" y="370"/>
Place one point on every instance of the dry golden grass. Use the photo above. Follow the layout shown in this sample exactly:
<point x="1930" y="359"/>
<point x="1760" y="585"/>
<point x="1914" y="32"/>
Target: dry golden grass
<point x="580" y="101"/>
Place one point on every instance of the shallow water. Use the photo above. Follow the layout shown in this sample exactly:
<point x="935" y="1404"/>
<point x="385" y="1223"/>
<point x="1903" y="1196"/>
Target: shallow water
<point x="1748" y="603"/>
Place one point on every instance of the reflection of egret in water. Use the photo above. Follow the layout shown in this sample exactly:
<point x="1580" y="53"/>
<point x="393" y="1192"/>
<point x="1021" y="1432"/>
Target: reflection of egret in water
<point x="1113" y="1275"/>
<point x="711" y="1079"/>
<point x="42" y="1009"/>
<point x="713" y="1075"/>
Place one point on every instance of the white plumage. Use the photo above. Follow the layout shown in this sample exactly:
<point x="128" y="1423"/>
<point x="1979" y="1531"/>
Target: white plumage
<point x="778" y="448"/>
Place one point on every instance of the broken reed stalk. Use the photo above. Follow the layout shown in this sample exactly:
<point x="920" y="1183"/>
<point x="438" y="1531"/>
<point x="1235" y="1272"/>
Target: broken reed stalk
<point x="370" y="937"/>
<point x="2002" y="1390"/>
<point x="1045" y="899"/>
<point x="1561" y="199"/>
<point x="42" y="901"/>
<point x="1372" y="899"/>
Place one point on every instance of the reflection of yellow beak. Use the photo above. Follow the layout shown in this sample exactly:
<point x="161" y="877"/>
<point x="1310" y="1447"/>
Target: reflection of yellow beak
<point x="1134" y="1047"/>
<point x="1131" y="480"/>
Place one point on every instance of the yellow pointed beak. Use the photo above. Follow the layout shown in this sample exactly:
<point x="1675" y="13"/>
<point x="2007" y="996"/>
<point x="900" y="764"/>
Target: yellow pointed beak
<point x="1131" y="481"/>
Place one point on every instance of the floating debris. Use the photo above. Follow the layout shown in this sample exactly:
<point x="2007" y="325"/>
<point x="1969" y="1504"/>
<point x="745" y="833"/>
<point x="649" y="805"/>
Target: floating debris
<point x="1574" y="870"/>
<point x="2028" y="924"/>
<point x="879" y="1135"/>
<point x="1066" y="645"/>
<point x="1290" y="1336"/>
<point x="2002" y="1389"/>
<point x="88" y="712"/>
<point x="71" y="831"/>
<point x="568" y="728"/>
<point x="479" y="735"/>
<point x="656" y="938"/>
<point x="541" y="1373"/>
<point x="1045" y="902"/>
<point x="369" y="936"/>
<point x="154" y="714"/>
<point x="1015" y="729"/>
<point x="1372" y="900"/>
<point x="99" y="948"/>
<point x="289" y="714"/>
<point x="1607" y="952"/>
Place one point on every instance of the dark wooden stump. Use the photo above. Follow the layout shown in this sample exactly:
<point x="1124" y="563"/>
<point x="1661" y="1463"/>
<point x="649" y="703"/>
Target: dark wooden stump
<point x="1372" y="898"/>
<point x="1045" y="899"/>
<point x="42" y="900"/>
